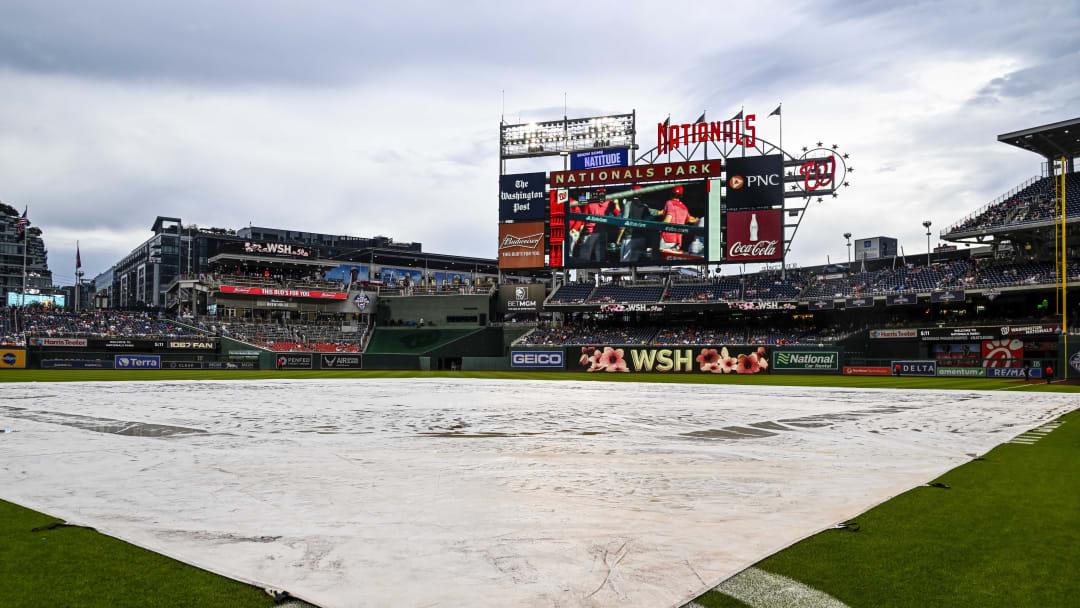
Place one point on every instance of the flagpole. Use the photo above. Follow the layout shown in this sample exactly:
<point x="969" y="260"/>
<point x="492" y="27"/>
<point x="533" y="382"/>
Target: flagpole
<point x="76" y="277"/>
<point x="26" y="233"/>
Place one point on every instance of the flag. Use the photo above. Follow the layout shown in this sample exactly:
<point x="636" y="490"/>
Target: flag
<point x="737" y="116"/>
<point x="775" y="112"/>
<point x="700" y="119"/>
<point x="21" y="224"/>
<point x="78" y="256"/>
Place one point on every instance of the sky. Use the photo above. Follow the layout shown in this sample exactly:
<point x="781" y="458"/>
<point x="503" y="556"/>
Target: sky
<point x="382" y="118"/>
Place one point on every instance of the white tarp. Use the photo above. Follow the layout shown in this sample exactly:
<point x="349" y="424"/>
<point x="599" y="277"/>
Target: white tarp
<point x="482" y="492"/>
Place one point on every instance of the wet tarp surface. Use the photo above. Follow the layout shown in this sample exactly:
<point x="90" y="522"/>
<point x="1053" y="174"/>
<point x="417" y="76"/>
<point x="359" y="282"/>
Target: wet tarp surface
<point x="445" y="492"/>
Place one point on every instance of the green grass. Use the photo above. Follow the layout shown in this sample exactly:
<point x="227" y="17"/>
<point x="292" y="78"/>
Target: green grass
<point x="78" y="567"/>
<point x="37" y="375"/>
<point x="1006" y="535"/>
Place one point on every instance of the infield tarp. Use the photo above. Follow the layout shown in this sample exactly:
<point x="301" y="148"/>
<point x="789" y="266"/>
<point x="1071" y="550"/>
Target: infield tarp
<point x="468" y="492"/>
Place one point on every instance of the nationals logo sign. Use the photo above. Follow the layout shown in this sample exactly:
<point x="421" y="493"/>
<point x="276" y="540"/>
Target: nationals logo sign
<point x="754" y="235"/>
<point x="1007" y="352"/>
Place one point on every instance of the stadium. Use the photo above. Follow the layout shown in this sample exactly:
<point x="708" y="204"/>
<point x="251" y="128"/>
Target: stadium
<point x="267" y="340"/>
<point x="666" y="491"/>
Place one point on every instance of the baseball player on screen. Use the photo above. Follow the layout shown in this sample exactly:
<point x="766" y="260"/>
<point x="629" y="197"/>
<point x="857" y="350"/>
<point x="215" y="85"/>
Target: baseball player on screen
<point x="675" y="212"/>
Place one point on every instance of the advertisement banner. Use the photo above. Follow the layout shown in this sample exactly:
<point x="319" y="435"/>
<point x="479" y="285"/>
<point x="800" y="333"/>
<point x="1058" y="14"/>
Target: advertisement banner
<point x="59" y="342"/>
<point x="806" y="360"/>
<point x="867" y="371"/>
<point x="537" y="358"/>
<point x="901" y="299"/>
<point x="12" y="358"/>
<point x="713" y="359"/>
<point x="754" y="236"/>
<point x="521" y="298"/>
<point x="821" y="304"/>
<point x="232" y="365"/>
<point x="1030" y="330"/>
<point x="136" y="362"/>
<point x="754" y="181"/>
<point x="522" y="196"/>
<point x="916" y="368"/>
<point x="75" y="364"/>
<point x="860" y="302"/>
<point x="1008" y="372"/>
<point x="1005" y="352"/>
<point x="284" y="293"/>
<point x="947" y="297"/>
<point x="961" y="372"/>
<point x="181" y="365"/>
<point x="521" y="245"/>
<point x="295" y="360"/>
<point x="599" y="159"/>
<point x="626" y="226"/>
<point x="348" y="361"/>
<point x="879" y="334"/>
<point x="697" y="169"/>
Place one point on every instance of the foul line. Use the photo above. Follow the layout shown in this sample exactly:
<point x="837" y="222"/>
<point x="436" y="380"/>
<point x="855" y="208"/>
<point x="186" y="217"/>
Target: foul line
<point x="761" y="589"/>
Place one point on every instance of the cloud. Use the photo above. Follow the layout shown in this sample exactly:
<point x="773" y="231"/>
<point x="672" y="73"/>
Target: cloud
<point x="382" y="119"/>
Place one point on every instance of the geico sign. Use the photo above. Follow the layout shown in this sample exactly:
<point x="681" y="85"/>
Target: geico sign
<point x="536" y="358"/>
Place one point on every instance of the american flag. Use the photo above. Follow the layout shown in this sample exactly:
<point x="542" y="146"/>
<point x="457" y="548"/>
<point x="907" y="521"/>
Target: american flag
<point x="21" y="224"/>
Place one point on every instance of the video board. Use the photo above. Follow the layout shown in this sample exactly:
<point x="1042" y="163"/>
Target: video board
<point x="644" y="224"/>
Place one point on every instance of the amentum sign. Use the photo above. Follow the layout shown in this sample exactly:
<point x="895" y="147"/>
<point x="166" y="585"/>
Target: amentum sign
<point x="784" y="359"/>
<point x="754" y="235"/>
<point x="522" y="196"/>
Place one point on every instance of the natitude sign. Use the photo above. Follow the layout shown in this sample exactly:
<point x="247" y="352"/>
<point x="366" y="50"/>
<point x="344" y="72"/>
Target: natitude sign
<point x="754" y="235"/>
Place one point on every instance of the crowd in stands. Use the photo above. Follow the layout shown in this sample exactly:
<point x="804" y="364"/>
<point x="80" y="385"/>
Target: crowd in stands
<point x="1034" y="202"/>
<point x="798" y="285"/>
<point x="591" y="333"/>
<point x="39" y="321"/>
<point x="325" y="336"/>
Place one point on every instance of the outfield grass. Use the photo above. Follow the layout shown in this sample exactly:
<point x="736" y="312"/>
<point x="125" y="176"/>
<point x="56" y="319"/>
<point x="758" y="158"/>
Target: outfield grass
<point x="1006" y="535"/>
<point x="36" y="375"/>
<point x="78" y="567"/>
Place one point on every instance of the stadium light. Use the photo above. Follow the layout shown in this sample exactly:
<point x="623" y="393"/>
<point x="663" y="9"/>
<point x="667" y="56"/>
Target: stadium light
<point x="926" y="225"/>
<point x="847" y="235"/>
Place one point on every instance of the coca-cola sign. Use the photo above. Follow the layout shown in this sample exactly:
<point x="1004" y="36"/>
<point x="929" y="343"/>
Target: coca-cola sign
<point x="754" y="235"/>
<point x="521" y="245"/>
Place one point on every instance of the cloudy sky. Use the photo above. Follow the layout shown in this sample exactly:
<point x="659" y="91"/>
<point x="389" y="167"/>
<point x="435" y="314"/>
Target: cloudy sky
<point x="353" y="119"/>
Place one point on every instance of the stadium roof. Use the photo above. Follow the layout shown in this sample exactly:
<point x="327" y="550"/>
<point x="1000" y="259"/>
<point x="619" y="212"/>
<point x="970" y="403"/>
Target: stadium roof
<point x="1049" y="141"/>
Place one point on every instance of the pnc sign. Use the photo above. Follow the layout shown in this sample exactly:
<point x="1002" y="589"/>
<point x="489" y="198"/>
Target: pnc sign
<point x="754" y="181"/>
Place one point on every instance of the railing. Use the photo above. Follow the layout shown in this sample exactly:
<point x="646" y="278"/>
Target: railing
<point x="993" y="203"/>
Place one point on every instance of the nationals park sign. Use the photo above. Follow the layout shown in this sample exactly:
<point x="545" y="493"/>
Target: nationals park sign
<point x="645" y="173"/>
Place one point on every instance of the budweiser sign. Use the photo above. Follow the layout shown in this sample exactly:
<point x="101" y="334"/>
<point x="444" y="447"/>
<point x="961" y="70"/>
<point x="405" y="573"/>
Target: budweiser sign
<point x="754" y="235"/>
<point x="521" y="245"/>
<point x="284" y="293"/>
<point x="528" y="242"/>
